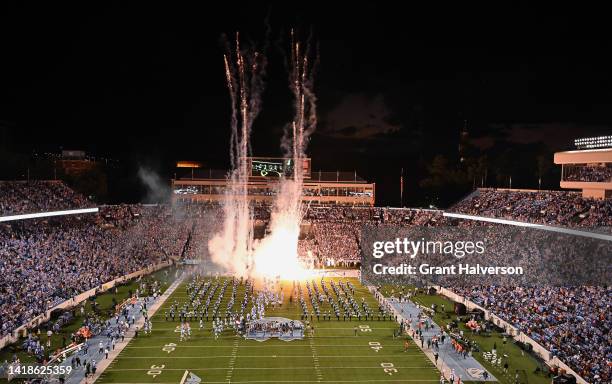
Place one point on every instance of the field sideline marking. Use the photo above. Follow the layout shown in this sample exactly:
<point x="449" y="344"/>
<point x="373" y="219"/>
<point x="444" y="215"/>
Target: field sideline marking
<point x="315" y="358"/>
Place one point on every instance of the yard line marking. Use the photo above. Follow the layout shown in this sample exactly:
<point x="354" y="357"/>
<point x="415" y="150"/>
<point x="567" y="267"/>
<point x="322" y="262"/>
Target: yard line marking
<point x="232" y="361"/>
<point x="184" y="376"/>
<point x="315" y="359"/>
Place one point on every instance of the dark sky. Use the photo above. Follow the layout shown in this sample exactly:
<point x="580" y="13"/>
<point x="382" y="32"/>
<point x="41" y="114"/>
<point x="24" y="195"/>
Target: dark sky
<point x="145" y="84"/>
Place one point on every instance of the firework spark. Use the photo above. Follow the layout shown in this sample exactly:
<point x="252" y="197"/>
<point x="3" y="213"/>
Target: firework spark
<point x="234" y="247"/>
<point x="244" y="71"/>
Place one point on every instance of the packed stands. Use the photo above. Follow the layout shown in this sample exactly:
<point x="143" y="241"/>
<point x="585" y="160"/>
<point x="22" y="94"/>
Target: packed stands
<point x="45" y="262"/>
<point x="589" y="174"/>
<point x="560" y="208"/>
<point x="573" y="323"/>
<point x="20" y="197"/>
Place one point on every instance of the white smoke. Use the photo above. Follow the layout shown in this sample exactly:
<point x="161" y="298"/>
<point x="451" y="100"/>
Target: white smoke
<point x="234" y="248"/>
<point x="157" y="191"/>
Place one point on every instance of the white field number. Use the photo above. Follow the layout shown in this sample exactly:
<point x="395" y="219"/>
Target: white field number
<point x="388" y="368"/>
<point x="169" y="347"/>
<point x="365" y="328"/>
<point x="156" y="370"/>
<point x="375" y="345"/>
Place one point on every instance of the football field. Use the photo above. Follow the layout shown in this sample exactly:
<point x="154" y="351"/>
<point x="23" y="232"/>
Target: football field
<point x="332" y="353"/>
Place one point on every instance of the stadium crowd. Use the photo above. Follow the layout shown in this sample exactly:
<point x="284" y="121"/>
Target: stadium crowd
<point x="46" y="262"/>
<point x="568" y="209"/>
<point x="593" y="174"/>
<point x="335" y="233"/>
<point x="19" y="197"/>
<point x="575" y="324"/>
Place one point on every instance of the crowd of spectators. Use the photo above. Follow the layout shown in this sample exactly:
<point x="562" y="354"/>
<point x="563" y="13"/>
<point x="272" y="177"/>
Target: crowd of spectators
<point x="335" y="241"/>
<point x="574" y="323"/>
<point x="45" y="262"/>
<point x="591" y="174"/>
<point x="334" y="235"/>
<point x="19" y="197"/>
<point x="560" y="208"/>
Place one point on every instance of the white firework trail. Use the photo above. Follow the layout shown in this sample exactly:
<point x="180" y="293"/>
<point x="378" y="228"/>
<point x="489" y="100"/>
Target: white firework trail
<point x="244" y="71"/>
<point x="234" y="248"/>
<point x="277" y="254"/>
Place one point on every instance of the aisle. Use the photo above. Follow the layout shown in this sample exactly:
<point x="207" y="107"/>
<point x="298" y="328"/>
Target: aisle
<point x="469" y="369"/>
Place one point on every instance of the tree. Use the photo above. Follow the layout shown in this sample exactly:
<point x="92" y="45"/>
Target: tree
<point x="92" y="183"/>
<point x="446" y="182"/>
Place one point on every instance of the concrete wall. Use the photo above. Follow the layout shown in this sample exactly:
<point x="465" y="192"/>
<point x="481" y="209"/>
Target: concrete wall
<point x="586" y="156"/>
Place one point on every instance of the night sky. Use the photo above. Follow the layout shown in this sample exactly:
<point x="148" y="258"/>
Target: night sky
<point x="145" y="84"/>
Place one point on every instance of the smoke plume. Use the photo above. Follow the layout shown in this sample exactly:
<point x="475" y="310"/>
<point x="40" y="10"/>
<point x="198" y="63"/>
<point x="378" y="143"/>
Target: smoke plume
<point x="157" y="191"/>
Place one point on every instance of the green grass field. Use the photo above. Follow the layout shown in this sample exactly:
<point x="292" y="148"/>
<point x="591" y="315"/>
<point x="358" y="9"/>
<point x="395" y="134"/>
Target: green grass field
<point x="332" y="355"/>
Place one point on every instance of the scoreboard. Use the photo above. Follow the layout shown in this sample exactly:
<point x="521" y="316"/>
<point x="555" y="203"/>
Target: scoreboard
<point x="274" y="167"/>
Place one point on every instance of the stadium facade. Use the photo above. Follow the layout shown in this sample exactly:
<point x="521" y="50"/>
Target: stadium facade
<point x="197" y="184"/>
<point x="588" y="168"/>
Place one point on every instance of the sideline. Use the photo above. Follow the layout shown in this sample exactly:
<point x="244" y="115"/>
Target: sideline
<point x="447" y="361"/>
<point x="77" y="377"/>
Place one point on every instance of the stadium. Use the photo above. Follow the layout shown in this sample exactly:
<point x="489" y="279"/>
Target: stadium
<point x="266" y="269"/>
<point x="352" y="331"/>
